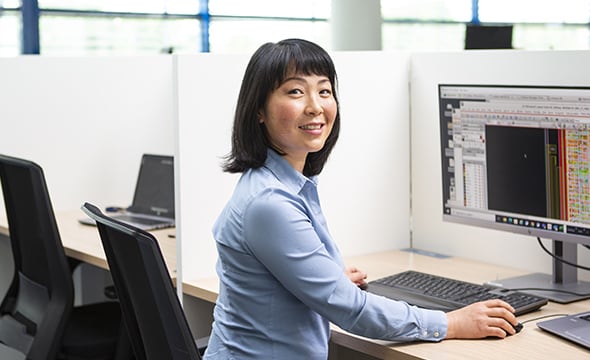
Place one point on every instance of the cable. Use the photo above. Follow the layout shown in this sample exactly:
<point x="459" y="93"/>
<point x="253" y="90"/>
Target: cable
<point x="543" y="317"/>
<point x="551" y="290"/>
<point x="560" y="259"/>
<point x="556" y="290"/>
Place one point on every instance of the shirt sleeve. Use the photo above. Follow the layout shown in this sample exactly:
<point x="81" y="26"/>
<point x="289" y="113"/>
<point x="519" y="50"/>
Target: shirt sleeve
<point x="282" y="237"/>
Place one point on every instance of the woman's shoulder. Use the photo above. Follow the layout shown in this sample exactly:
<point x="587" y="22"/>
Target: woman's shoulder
<point x="260" y="180"/>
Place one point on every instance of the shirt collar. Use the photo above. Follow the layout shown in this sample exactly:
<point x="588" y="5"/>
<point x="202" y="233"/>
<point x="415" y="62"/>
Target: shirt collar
<point x="286" y="173"/>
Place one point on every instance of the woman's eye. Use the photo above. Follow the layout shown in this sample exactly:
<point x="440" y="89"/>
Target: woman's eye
<point x="326" y="92"/>
<point x="295" y="91"/>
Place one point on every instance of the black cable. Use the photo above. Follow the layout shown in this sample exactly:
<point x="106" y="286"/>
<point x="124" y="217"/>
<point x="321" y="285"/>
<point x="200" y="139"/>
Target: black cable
<point x="560" y="259"/>
<point x="562" y="291"/>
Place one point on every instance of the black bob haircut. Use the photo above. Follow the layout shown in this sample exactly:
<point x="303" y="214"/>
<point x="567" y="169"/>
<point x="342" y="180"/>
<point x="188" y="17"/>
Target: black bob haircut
<point x="268" y="68"/>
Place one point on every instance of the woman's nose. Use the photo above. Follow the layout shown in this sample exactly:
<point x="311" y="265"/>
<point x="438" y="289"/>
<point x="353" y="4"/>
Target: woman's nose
<point x="314" y="107"/>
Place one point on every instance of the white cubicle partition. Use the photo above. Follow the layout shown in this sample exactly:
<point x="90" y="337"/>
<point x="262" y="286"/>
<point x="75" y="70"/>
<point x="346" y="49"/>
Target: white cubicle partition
<point x="87" y="121"/>
<point x="475" y="67"/>
<point x="365" y="185"/>
<point x="208" y="86"/>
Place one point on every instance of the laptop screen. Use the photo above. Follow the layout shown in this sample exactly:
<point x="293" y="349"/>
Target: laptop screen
<point x="154" y="192"/>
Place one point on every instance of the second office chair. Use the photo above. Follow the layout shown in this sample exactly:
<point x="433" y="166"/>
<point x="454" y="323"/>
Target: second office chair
<point x="37" y="316"/>
<point x="154" y="317"/>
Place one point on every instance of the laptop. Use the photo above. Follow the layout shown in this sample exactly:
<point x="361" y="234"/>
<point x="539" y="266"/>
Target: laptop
<point x="153" y="201"/>
<point x="574" y="328"/>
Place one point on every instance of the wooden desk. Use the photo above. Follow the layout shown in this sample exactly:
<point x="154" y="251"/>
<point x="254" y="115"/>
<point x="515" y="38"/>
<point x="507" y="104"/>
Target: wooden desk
<point x="82" y="242"/>
<point x="530" y="343"/>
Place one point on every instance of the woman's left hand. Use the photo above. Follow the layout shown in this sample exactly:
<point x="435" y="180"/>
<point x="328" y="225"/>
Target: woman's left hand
<point x="356" y="275"/>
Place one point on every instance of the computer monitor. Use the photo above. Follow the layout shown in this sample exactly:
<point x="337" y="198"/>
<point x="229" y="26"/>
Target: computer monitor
<point x="488" y="36"/>
<point x="517" y="158"/>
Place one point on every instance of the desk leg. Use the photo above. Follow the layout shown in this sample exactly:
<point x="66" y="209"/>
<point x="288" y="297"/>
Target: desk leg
<point x="338" y="352"/>
<point x="199" y="314"/>
<point x="89" y="284"/>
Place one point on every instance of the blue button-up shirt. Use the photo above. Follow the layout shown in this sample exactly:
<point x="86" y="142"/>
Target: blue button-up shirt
<point x="282" y="277"/>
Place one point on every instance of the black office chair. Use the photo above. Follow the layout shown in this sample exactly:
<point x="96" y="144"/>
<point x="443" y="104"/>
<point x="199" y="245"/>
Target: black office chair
<point x="8" y="353"/>
<point x="37" y="316"/>
<point x="155" y="320"/>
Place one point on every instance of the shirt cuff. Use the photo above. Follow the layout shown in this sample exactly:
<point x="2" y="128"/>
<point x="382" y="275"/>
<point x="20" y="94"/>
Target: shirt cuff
<point x="434" y="325"/>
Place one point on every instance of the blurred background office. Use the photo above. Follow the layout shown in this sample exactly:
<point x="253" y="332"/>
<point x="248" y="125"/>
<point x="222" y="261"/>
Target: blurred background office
<point x="125" y="27"/>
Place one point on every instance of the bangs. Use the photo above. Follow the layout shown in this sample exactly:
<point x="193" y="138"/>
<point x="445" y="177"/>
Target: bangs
<point x="300" y="58"/>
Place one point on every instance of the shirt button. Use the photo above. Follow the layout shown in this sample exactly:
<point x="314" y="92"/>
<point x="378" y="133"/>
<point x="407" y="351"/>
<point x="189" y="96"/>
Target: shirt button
<point x="436" y="334"/>
<point x="424" y="333"/>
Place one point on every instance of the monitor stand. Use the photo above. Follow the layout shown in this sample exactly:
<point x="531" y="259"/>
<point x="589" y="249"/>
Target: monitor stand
<point x="564" y="280"/>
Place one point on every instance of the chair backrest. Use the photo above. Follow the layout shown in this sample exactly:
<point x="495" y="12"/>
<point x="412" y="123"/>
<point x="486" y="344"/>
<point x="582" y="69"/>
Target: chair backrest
<point x="38" y="303"/>
<point x="153" y="315"/>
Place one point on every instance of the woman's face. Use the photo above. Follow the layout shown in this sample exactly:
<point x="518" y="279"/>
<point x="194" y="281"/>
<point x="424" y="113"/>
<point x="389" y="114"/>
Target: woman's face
<point x="299" y="116"/>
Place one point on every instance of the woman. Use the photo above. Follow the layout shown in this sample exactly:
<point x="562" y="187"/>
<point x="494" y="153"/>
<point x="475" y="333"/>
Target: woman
<point x="282" y="278"/>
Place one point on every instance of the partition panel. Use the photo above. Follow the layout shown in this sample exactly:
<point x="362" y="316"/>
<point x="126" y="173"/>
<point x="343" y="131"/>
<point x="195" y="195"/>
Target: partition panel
<point x="364" y="187"/>
<point x="86" y="121"/>
<point x="509" y="67"/>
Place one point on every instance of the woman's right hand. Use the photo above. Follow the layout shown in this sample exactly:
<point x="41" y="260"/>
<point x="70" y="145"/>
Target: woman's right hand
<point x="487" y="318"/>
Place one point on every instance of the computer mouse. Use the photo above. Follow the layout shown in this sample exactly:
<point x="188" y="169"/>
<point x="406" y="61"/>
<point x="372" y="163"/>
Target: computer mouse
<point x="517" y="328"/>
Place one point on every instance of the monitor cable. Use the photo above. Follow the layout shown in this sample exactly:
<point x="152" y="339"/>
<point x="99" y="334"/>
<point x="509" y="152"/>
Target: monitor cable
<point x="563" y="261"/>
<point x="560" y="259"/>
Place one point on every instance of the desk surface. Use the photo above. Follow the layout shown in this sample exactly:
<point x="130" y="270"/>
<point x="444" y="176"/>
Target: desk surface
<point x="530" y="343"/>
<point x="82" y="242"/>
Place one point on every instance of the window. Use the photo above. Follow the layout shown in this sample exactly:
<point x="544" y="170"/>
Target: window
<point x="242" y="26"/>
<point x="447" y="10"/>
<point x="424" y="24"/>
<point x="423" y="36"/>
<point x="9" y="33"/>
<point x="9" y="28"/>
<point x="141" y="6"/>
<point x="230" y="36"/>
<point x="551" y="37"/>
<point x="532" y="11"/>
<point x="101" y="35"/>
<point x="97" y="27"/>
<point x="100" y="27"/>
<point x="559" y="25"/>
<point x="271" y="8"/>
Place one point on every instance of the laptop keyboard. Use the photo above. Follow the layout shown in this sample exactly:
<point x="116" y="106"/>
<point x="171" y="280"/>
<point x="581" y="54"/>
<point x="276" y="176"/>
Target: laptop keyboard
<point x="441" y="293"/>
<point x="137" y="220"/>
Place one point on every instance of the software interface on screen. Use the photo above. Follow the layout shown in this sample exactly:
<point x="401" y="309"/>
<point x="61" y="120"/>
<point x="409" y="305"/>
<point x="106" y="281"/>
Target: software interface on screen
<point x="517" y="158"/>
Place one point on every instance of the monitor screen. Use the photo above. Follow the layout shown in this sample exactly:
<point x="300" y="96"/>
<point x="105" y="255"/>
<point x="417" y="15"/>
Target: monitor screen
<point x="517" y="158"/>
<point x="488" y="37"/>
<point x="154" y="191"/>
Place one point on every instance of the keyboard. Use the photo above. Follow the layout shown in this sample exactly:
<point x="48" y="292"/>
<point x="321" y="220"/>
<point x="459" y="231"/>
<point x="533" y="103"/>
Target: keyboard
<point x="137" y="219"/>
<point x="441" y="293"/>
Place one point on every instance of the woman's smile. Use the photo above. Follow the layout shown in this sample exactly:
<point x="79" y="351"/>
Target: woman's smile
<point x="299" y="116"/>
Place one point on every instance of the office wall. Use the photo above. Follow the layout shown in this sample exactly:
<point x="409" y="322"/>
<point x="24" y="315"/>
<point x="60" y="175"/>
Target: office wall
<point x="87" y="121"/>
<point x="364" y="188"/>
<point x="476" y="67"/>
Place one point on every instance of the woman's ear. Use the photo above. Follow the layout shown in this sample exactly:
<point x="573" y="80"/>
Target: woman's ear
<point x="260" y="117"/>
